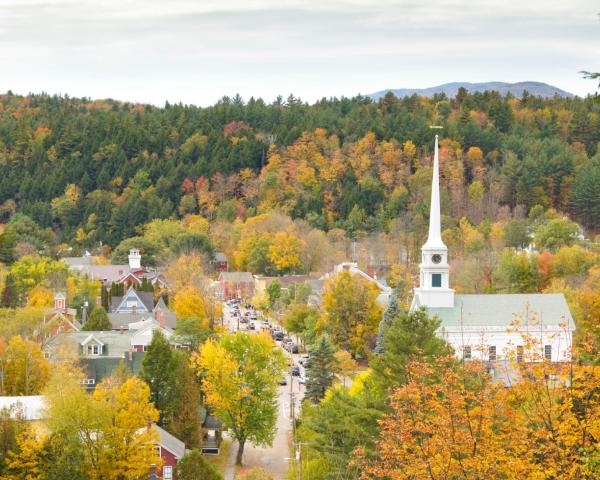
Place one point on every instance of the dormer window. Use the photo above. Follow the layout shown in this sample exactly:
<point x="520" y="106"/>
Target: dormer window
<point x="94" y="350"/>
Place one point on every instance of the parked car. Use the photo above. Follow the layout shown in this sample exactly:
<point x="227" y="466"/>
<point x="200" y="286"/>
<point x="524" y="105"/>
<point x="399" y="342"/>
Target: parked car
<point x="283" y="381"/>
<point x="278" y="335"/>
<point x="303" y="359"/>
<point x="244" y="320"/>
<point x="251" y="326"/>
<point x="302" y="379"/>
<point x="295" y="371"/>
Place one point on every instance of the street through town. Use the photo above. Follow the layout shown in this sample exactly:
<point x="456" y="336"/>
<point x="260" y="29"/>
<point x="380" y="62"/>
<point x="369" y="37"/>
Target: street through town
<point x="276" y="458"/>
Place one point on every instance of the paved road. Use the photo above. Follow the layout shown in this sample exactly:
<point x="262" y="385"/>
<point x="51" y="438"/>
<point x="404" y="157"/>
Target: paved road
<point x="274" y="458"/>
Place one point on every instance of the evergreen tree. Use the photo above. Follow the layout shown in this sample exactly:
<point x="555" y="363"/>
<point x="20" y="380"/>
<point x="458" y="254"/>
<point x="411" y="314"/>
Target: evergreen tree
<point x="390" y="313"/>
<point x="97" y="321"/>
<point x="159" y="371"/>
<point x="185" y="423"/>
<point x="320" y="369"/>
<point x="408" y="335"/>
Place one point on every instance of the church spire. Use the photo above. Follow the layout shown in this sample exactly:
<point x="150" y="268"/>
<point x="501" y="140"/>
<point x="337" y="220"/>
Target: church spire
<point x="435" y="230"/>
<point x="434" y="286"/>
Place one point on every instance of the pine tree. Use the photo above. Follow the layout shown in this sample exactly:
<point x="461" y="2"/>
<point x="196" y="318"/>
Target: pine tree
<point x="159" y="371"/>
<point x="387" y="318"/>
<point x="97" y="321"/>
<point x="320" y="369"/>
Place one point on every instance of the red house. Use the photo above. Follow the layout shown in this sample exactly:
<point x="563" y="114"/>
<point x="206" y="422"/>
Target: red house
<point x="236" y="285"/>
<point x="220" y="262"/>
<point x="171" y="450"/>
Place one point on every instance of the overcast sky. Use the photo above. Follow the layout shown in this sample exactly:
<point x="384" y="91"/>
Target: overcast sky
<point x="198" y="51"/>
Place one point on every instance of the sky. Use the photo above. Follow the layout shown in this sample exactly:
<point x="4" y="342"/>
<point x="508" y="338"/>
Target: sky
<point x="196" y="52"/>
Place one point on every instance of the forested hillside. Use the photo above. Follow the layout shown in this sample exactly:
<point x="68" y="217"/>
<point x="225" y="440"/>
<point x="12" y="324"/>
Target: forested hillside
<point x="92" y="171"/>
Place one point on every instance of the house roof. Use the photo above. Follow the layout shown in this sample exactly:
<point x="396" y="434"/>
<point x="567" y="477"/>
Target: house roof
<point x="91" y="337"/>
<point x="503" y="310"/>
<point x="146" y="298"/>
<point x="123" y="320"/>
<point x="220" y="257"/>
<point x="287" y="280"/>
<point x="117" y="343"/>
<point x="31" y="407"/>
<point x="212" y="423"/>
<point x="237" y="277"/>
<point x="170" y="442"/>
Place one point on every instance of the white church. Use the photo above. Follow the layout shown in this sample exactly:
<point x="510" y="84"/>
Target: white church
<point x="488" y="327"/>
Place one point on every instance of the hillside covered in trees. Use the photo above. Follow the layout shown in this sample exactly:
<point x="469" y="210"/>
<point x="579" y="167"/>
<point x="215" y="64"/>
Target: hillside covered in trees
<point x="92" y="171"/>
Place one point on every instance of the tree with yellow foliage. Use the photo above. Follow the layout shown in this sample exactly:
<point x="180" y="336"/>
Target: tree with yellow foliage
<point x="188" y="302"/>
<point x="40" y="297"/>
<point x="286" y="252"/>
<point x="240" y="375"/>
<point x="25" y="370"/>
<point x="111" y="429"/>
<point x="351" y="314"/>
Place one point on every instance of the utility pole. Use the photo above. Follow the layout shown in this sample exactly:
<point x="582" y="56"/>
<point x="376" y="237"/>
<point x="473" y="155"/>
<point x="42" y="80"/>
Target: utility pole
<point x="299" y="460"/>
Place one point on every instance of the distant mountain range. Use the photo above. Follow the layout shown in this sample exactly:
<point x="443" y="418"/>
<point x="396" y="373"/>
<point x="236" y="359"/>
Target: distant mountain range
<point x="450" y="89"/>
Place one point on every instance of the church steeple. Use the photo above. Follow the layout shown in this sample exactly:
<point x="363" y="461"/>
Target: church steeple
<point x="434" y="287"/>
<point x="435" y="229"/>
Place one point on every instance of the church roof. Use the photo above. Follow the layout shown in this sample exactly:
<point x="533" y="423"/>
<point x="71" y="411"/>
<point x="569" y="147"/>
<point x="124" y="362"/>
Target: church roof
<point x="503" y="310"/>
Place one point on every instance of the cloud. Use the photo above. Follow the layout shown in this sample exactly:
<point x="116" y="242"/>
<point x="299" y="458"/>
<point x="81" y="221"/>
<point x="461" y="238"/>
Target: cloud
<point x="197" y="51"/>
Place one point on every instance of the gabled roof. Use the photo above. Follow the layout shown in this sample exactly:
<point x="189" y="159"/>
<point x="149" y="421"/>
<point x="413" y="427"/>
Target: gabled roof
<point x="145" y="298"/>
<point x="237" y="277"/>
<point x="503" y="310"/>
<point x="170" y="442"/>
<point x="91" y="337"/>
<point x="220" y="257"/>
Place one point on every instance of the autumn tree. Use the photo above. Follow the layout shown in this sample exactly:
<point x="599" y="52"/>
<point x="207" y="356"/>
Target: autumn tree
<point x="111" y="428"/>
<point x="188" y="302"/>
<point x="25" y="368"/>
<point x="449" y="421"/>
<point x="240" y="376"/>
<point x="351" y="312"/>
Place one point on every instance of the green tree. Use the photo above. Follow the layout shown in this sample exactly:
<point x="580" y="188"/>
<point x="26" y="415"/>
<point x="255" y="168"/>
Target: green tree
<point x="274" y="293"/>
<point x="240" y="377"/>
<point x="516" y="233"/>
<point x="191" y="331"/>
<point x="193" y="466"/>
<point x="555" y="234"/>
<point x="186" y="421"/>
<point x="320" y="369"/>
<point x="159" y="371"/>
<point x="98" y="320"/>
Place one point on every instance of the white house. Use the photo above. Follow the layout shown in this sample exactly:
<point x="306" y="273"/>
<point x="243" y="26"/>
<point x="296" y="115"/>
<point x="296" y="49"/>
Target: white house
<point x="488" y="327"/>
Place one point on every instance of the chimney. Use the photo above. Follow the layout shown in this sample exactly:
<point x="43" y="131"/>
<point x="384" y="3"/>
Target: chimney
<point x="160" y="317"/>
<point x="133" y="310"/>
<point x="121" y="329"/>
<point x="130" y="354"/>
<point x="135" y="259"/>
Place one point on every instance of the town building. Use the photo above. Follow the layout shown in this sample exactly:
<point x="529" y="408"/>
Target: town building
<point x="220" y="263"/>
<point x="170" y="450"/>
<point x="128" y="274"/>
<point x="61" y="318"/>
<point x="491" y="327"/>
<point x="138" y="305"/>
<point x="101" y="352"/>
<point x="235" y="285"/>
